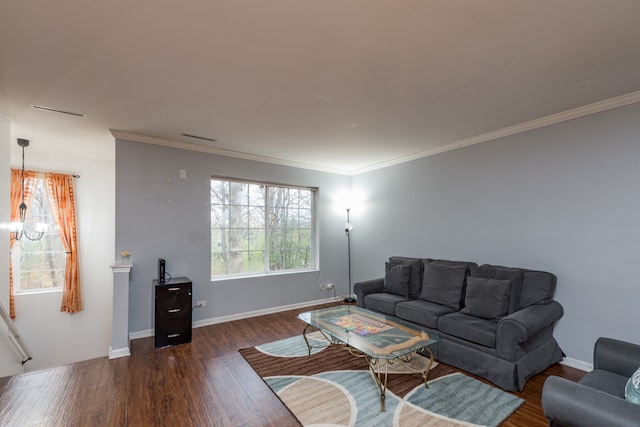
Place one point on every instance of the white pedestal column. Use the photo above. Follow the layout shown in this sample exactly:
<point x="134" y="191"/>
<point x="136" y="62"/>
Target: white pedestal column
<point x="120" y="331"/>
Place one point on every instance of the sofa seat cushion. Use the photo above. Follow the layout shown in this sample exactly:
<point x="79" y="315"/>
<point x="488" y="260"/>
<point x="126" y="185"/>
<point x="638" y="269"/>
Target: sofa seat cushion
<point x="423" y="313"/>
<point x="470" y="328"/>
<point x="605" y="381"/>
<point x="383" y="302"/>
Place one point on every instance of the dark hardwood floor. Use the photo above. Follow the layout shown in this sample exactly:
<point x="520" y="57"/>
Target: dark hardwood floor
<point x="203" y="383"/>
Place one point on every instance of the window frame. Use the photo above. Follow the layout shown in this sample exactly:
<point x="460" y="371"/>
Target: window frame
<point x="44" y="212"/>
<point x="267" y="271"/>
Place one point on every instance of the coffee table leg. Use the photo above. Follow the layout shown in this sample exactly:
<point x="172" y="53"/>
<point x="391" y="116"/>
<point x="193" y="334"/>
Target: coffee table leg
<point x="381" y="379"/>
<point x="306" y="340"/>
<point x="304" y="335"/>
<point x="426" y="373"/>
<point x="407" y="359"/>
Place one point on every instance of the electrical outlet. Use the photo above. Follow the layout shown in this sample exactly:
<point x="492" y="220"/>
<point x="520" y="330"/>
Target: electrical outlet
<point x="201" y="303"/>
<point x="325" y="286"/>
<point x="329" y="285"/>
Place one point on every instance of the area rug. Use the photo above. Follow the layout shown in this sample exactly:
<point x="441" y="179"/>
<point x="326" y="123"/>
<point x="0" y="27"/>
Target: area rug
<point x="333" y="388"/>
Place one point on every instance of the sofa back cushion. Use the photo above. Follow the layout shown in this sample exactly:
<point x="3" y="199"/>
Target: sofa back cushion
<point x="443" y="283"/>
<point x="537" y="288"/>
<point x="487" y="298"/>
<point x="415" y="282"/>
<point x="515" y="275"/>
<point x="396" y="279"/>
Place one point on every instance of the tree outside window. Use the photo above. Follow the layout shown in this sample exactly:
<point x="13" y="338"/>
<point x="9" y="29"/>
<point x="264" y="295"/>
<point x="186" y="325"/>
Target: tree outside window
<point x="259" y="228"/>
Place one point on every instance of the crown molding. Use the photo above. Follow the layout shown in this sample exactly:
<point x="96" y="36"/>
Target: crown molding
<point x="575" y="113"/>
<point x="146" y="139"/>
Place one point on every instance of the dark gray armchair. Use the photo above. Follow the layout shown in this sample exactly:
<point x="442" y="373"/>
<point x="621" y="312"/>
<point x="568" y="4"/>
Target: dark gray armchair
<point x="597" y="399"/>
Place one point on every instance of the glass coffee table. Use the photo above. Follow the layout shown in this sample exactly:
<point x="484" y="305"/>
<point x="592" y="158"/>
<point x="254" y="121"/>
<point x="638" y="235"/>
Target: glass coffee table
<point x="380" y="339"/>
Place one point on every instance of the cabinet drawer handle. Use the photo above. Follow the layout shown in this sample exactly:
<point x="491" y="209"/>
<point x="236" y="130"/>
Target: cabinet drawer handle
<point x="173" y="289"/>
<point x="174" y="310"/>
<point x="173" y="335"/>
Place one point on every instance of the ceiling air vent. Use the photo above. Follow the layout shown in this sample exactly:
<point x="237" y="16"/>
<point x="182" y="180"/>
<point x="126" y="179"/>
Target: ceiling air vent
<point x="204" y="138"/>
<point x="55" y="110"/>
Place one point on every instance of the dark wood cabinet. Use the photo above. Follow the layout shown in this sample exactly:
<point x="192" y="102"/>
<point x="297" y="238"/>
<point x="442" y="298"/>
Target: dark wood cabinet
<point x="173" y="311"/>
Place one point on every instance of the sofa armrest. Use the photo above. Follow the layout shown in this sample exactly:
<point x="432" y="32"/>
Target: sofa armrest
<point x="362" y="289"/>
<point x="569" y="404"/>
<point x="523" y="324"/>
<point x="616" y="356"/>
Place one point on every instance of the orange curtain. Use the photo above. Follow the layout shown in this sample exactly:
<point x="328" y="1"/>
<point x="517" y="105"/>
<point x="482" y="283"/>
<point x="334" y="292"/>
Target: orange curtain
<point x="16" y="200"/>
<point x="62" y="203"/>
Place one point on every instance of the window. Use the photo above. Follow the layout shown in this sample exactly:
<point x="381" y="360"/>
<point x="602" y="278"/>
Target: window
<point x="40" y="265"/>
<point x="259" y="228"/>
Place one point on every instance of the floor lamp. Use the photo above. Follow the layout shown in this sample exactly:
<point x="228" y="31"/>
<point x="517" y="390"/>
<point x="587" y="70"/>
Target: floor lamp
<point x="347" y="229"/>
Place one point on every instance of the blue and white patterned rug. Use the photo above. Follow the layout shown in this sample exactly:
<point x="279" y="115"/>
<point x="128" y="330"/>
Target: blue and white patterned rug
<point x="333" y="388"/>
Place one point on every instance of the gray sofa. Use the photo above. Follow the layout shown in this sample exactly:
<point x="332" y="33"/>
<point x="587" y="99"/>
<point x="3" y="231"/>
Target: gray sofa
<point x="493" y="321"/>
<point x="598" y="399"/>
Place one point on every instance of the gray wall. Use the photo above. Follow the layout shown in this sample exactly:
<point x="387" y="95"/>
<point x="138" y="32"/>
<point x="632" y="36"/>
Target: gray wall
<point x="160" y="215"/>
<point x="564" y="198"/>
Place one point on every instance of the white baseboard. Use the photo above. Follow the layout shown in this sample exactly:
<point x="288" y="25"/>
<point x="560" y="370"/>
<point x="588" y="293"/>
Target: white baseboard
<point x="119" y="352"/>
<point x="578" y="364"/>
<point x="248" y="314"/>
<point x="141" y="334"/>
<point x="215" y="320"/>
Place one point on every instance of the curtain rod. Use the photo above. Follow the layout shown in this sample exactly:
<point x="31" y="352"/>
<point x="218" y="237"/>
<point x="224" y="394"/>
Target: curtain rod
<point x="72" y="174"/>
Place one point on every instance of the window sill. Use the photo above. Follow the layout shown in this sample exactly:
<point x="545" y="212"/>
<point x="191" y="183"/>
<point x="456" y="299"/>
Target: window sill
<point x="38" y="292"/>
<point x="263" y="276"/>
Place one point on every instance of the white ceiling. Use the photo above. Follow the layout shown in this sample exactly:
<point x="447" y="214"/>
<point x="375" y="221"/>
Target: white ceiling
<point x="344" y="86"/>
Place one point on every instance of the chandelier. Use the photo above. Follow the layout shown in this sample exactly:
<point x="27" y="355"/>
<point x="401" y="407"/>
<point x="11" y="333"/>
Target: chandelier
<point x="17" y="229"/>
